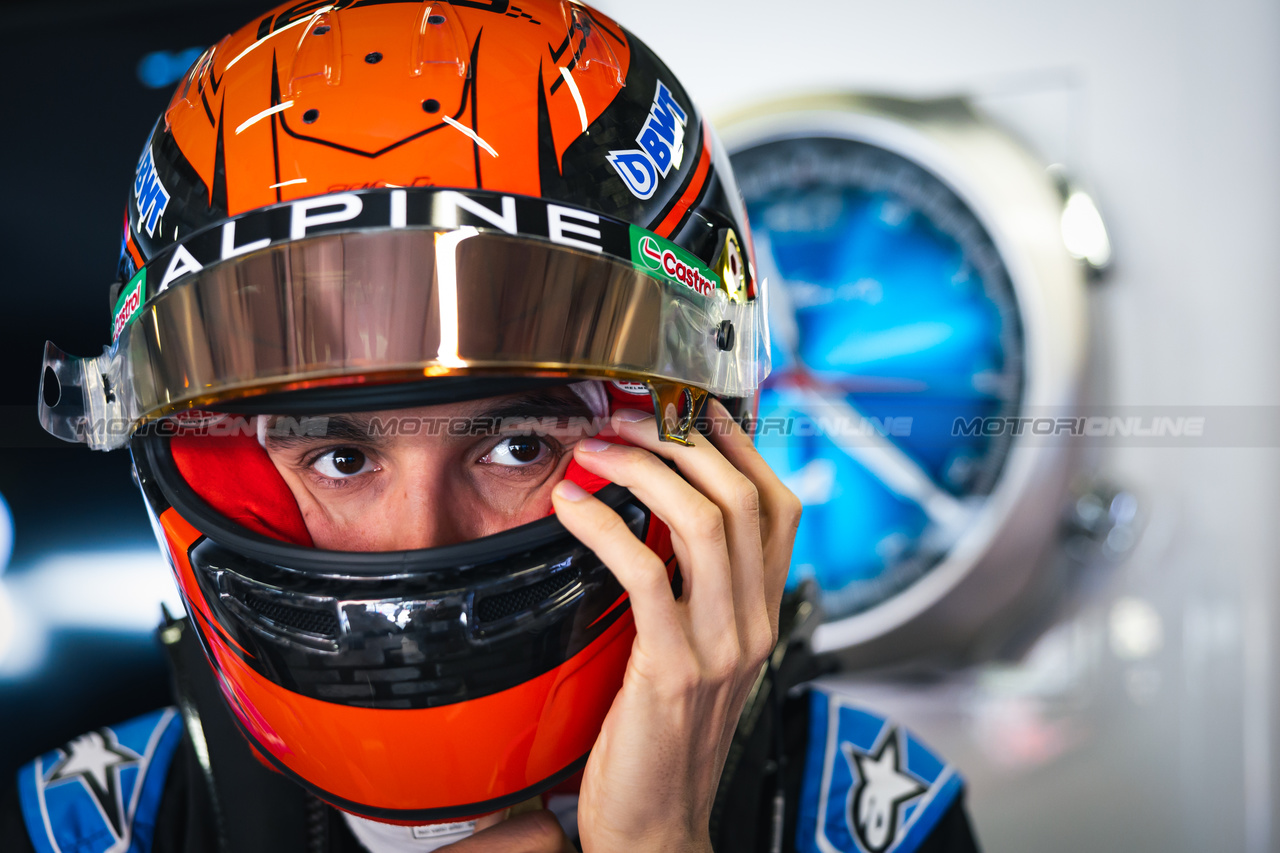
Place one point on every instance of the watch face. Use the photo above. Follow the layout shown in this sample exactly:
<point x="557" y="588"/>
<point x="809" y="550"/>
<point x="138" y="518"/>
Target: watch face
<point x="894" y="329"/>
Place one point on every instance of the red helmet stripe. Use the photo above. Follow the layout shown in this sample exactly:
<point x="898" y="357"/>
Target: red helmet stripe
<point x="668" y="225"/>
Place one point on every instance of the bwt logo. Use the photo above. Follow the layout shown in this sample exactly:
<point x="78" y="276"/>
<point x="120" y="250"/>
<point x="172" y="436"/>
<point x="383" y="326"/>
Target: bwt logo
<point x="149" y="194"/>
<point x="661" y="146"/>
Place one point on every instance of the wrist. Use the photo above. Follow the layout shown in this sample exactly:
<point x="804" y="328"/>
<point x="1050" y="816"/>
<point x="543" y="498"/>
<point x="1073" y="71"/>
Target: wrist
<point x="682" y="844"/>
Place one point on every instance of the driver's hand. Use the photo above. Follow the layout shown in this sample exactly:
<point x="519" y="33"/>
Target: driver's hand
<point x="653" y="773"/>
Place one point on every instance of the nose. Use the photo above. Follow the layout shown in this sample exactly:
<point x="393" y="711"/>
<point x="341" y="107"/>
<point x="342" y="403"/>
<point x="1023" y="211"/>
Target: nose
<point x="426" y="513"/>
<point x="435" y="503"/>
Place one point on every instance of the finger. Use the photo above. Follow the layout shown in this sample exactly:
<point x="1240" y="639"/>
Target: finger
<point x="777" y="501"/>
<point x="697" y="530"/>
<point x="640" y="571"/>
<point x="711" y="474"/>
<point x="535" y="832"/>
<point x="779" y="507"/>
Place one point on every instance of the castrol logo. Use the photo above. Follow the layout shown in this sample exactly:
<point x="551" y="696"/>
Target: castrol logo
<point x="665" y="261"/>
<point x="131" y="304"/>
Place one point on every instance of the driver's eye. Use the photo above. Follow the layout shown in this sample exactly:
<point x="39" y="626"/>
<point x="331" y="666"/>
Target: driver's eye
<point x="517" y="450"/>
<point x="341" y="463"/>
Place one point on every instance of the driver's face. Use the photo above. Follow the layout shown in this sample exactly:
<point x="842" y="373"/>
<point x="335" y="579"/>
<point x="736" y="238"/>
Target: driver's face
<point x="434" y="475"/>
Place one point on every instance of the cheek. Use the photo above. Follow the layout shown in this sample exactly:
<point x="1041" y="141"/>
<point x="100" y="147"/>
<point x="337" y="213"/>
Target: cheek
<point x="336" y="522"/>
<point x="383" y="517"/>
<point x="337" y="534"/>
<point x="504" y="505"/>
<point x="503" y="508"/>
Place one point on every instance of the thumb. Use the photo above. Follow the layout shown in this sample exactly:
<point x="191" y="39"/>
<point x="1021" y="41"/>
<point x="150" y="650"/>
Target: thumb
<point x="535" y="832"/>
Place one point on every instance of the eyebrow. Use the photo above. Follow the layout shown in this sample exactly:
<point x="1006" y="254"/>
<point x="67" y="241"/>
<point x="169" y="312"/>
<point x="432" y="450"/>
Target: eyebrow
<point x="346" y="427"/>
<point x="536" y="405"/>
<point x="367" y="429"/>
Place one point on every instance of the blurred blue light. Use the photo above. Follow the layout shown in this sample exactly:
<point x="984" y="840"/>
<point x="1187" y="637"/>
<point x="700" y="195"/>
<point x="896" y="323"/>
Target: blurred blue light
<point x="105" y="591"/>
<point x="6" y="534"/>
<point x="162" y="68"/>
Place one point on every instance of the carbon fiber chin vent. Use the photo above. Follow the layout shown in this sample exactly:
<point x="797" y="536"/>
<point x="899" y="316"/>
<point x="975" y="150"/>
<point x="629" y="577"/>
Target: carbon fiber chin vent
<point x="308" y="619"/>
<point x="504" y="604"/>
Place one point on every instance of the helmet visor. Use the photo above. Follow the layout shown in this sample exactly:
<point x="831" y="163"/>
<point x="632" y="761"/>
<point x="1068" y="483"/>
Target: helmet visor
<point x="396" y="305"/>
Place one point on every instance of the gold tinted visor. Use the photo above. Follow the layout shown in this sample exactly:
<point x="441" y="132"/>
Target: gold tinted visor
<point x="398" y="305"/>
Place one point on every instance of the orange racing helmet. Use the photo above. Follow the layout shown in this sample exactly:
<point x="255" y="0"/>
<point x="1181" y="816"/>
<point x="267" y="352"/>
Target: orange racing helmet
<point x="372" y="204"/>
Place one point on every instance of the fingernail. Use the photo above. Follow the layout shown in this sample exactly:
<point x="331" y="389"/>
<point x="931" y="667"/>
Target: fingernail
<point x="593" y="445"/>
<point x="631" y="415"/>
<point x="570" y="490"/>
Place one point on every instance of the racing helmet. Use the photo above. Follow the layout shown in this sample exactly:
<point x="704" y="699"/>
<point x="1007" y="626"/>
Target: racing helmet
<point x="363" y="205"/>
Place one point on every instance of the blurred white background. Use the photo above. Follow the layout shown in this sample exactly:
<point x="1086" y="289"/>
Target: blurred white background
<point x="1147" y="718"/>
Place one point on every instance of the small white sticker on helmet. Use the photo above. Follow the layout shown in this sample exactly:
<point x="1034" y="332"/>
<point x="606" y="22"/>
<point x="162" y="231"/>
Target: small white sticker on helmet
<point x="639" y="389"/>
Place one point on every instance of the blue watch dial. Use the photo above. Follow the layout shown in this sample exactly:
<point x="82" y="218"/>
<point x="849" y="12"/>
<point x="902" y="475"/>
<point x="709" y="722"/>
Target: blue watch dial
<point x="894" y="327"/>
